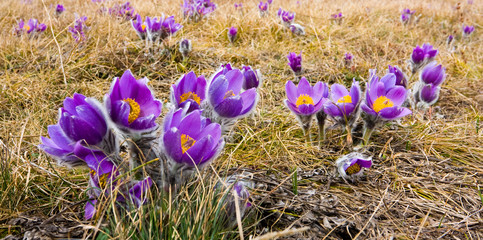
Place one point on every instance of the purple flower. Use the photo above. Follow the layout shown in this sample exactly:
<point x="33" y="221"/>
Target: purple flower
<point x="468" y="30"/>
<point x="185" y="47"/>
<point x="295" y="62"/>
<point x="59" y="9"/>
<point x="297" y="29"/>
<point x="232" y="34"/>
<point x="238" y="5"/>
<point x="269" y="1"/>
<point x="139" y="26"/>
<point x="161" y="29"/>
<point x="344" y="105"/>
<point x="124" y="10"/>
<point x="78" y="30"/>
<point x="81" y="120"/>
<point x="236" y="185"/>
<point x="449" y="40"/>
<point x="433" y="74"/>
<point x="32" y="26"/>
<point x="352" y="165"/>
<point x="263" y="8"/>
<point x="189" y="89"/>
<point x="195" y="10"/>
<point x="422" y="56"/>
<point x="226" y="97"/>
<point x="384" y="98"/>
<point x="169" y="27"/>
<point x="131" y="104"/>
<point x="305" y="99"/>
<point x="222" y="70"/>
<point x="286" y="17"/>
<point x="429" y="94"/>
<point x="253" y="77"/>
<point x="401" y="78"/>
<point x="406" y="15"/>
<point x="337" y="16"/>
<point x="188" y="140"/>
<point x="348" y="59"/>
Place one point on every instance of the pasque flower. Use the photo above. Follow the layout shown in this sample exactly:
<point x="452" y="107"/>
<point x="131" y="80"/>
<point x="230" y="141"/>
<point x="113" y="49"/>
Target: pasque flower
<point x="232" y="34"/>
<point x="401" y="78"/>
<point x="406" y="15"/>
<point x="295" y="62"/>
<point x="286" y="17"/>
<point x="226" y="96"/>
<point x="263" y="8"/>
<point x="185" y="47"/>
<point x="77" y="30"/>
<point x="305" y="99"/>
<point x="422" y="56"/>
<point x="297" y="29"/>
<point x="191" y="140"/>
<point x="195" y="10"/>
<point x="31" y="27"/>
<point x="426" y="92"/>
<point x="81" y="120"/>
<point x="253" y="78"/>
<point x="352" y="165"/>
<point x="131" y="104"/>
<point x="59" y="9"/>
<point x="433" y="74"/>
<point x="348" y="59"/>
<point x="189" y="89"/>
<point x="468" y="30"/>
<point x="343" y="105"/>
<point x="139" y="26"/>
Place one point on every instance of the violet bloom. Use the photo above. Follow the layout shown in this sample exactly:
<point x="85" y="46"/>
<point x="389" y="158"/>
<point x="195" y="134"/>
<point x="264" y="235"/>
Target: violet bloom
<point x="269" y="2"/>
<point x="433" y="74"/>
<point x="351" y="166"/>
<point x="189" y="89"/>
<point x="286" y="17"/>
<point x="77" y="30"/>
<point x="449" y="40"/>
<point x="124" y="10"/>
<point x="226" y="97"/>
<point x="422" y="56"/>
<point x="429" y="94"/>
<point x="305" y="99"/>
<point x="185" y="47"/>
<point x="295" y="63"/>
<point x="348" y="59"/>
<point x="31" y="27"/>
<point x="59" y="9"/>
<point x="169" y="27"/>
<point x="139" y="26"/>
<point x="468" y="30"/>
<point x="232" y="34"/>
<point x="406" y="15"/>
<point x="343" y="106"/>
<point x="81" y="120"/>
<point x="337" y="18"/>
<point x="195" y="10"/>
<point x="238" y="5"/>
<point x="253" y="78"/>
<point x="297" y="29"/>
<point x="189" y="141"/>
<point x="263" y="8"/>
<point x="401" y="78"/>
<point x="131" y="104"/>
<point x="222" y="70"/>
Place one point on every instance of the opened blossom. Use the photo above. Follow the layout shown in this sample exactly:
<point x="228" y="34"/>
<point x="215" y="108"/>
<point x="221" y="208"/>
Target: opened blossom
<point x="31" y="27"/>
<point x="422" y="56"/>
<point x="189" y="89"/>
<point x="343" y="105"/>
<point x="351" y="166"/>
<point x="305" y="99"/>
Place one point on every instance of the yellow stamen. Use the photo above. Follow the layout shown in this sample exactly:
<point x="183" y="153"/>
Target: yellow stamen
<point x="143" y="26"/>
<point x="102" y="179"/>
<point x="27" y="27"/>
<point x="134" y="111"/>
<point x="186" y="142"/>
<point x="353" y="169"/>
<point x="345" y="99"/>
<point x="381" y="103"/>
<point x="190" y="95"/>
<point x="304" y="99"/>
<point x="229" y="94"/>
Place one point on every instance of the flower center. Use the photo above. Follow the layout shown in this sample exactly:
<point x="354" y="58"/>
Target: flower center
<point x="355" y="168"/>
<point x="143" y="26"/>
<point x="134" y="111"/>
<point x="190" y="95"/>
<point x="102" y="179"/>
<point x="345" y="99"/>
<point x="304" y="99"/>
<point x="27" y="27"/>
<point x="381" y="103"/>
<point x="229" y="94"/>
<point x="186" y="142"/>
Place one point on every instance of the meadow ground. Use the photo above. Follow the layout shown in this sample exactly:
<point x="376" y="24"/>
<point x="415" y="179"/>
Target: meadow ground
<point x="426" y="180"/>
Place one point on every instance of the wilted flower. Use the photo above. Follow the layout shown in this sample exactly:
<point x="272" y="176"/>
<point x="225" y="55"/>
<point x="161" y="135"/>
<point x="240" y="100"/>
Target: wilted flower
<point x="263" y="8"/>
<point x="124" y="10"/>
<point x="59" y="9"/>
<point x="195" y="10"/>
<point x="468" y="30"/>
<point x="188" y="140"/>
<point x="185" y="47"/>
<point x="352" y="165"/>
<point x="189" y="89"/>
<point x="31" y="27"/>
<point x="232" y="34"/>
<point x="81" y="120"/>
<point x="78" y="30"/>
<point x="401" y="78"/>
<point x="295" y="63"/>
<point x="238" y="186"/>
<point x="131" y="105"/>
<point x="253" y="78"/>
<point x="348" y="59"/>
<point x="406" y="16"/>
<point x="297" y="29"/>
<point x="422" y="56"/>
<point x="226" y="97"/>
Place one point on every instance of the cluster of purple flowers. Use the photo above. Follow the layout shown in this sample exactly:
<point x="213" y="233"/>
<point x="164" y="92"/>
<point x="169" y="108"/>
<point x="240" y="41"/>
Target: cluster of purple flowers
<point x="468" y="30"/>
<point x="154" y="29"/>
<point x="195" y="10"/>
<point x="79" y="28"/>
<point x="337" y="17"/>
<point x="286" y="17"/>
<point x="426" y="91"/>
<point x="31" y="27"/>
<point x="421" y="56"/>
<point x="124" y="11"/>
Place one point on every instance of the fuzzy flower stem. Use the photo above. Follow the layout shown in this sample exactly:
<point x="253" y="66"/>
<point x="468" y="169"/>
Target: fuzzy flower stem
<point x="321" y="116"/>
<point x="349" y="135"/>
<point x="367" y="134"/>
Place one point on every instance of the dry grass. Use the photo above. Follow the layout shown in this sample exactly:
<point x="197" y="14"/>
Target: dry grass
<point x="426" y="182"/>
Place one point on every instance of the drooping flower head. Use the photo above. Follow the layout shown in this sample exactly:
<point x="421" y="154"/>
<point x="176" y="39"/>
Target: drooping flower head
<point x="189" y="89"/>
<point x="263" y="8"/>
<point x="352" y="165"/>
<point x="131" y="104"/>
<point x="297" y="29"/>
<point x="422" y="56"/>
<point x="305" y="99"/>
<point x="295" y="62"/>
<point x="401" y="78"/>
<point x="253" y="78"/>
<point x="59" y="9"/>
<point x="81" y="120"/>
<point x="185" y="47"/>
<point x="384" y="98"/>
<point x="190" y="139"/>
<point x="343" y="105"/>
<point x="232" y="34"/>
<point x="226" y="96"/>
<point x="433" y="74"/>
<point x="468" y="30"/>
<point x="77" y="30"/>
